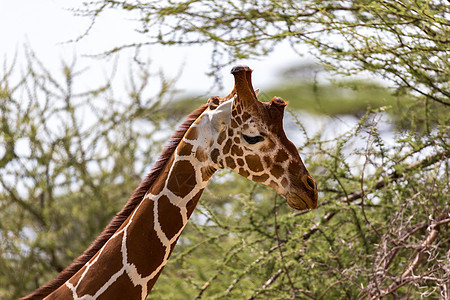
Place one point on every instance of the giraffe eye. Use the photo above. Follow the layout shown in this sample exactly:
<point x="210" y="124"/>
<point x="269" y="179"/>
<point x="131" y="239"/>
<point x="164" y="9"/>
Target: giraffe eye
<point x="253" y="139"/>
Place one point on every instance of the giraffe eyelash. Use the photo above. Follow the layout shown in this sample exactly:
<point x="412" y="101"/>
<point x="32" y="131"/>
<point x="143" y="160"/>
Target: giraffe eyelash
<point x="253" y="139"/>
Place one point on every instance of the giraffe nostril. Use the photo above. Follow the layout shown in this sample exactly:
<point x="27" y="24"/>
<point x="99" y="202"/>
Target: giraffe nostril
<point x="310" y="183"/>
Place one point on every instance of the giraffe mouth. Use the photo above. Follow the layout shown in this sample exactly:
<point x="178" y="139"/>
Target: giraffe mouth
<point x="299" y="203"/>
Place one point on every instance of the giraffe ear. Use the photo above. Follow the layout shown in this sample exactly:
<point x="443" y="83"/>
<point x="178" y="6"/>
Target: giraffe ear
<point x="278" y="102"/>
<point x="221" y="116"/>
<point x="246" y="96"/>
<point x="276" y="108"/>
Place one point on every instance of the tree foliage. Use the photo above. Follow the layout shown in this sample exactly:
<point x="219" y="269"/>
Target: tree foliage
<point x="406" y="42"/>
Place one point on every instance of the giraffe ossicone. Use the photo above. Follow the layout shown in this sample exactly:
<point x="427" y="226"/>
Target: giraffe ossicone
<point x="237" y="132"/>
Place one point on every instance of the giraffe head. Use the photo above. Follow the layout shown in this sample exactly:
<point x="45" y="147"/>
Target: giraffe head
<point x="248" y="137"/>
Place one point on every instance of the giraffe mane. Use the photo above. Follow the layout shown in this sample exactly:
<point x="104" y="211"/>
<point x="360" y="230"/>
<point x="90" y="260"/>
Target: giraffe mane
<point x="120" y="217"/>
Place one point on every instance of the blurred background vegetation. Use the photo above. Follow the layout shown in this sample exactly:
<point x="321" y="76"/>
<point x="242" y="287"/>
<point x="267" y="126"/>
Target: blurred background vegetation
<point x="69" y="158"/>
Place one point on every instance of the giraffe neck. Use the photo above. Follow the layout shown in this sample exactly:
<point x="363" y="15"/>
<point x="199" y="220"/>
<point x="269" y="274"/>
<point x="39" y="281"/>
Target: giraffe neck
<point x="133" y="258"/>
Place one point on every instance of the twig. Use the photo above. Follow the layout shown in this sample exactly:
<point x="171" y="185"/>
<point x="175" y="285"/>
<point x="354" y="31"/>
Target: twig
<point x="442" y="218"/>
<point x="379" y="184"/>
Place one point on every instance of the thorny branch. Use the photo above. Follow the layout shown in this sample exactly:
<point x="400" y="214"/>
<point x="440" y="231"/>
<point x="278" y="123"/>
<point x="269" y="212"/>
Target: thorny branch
<point x="408" y="275"/>
<point x="432" y="228"/>
<point x="378" y="185"/>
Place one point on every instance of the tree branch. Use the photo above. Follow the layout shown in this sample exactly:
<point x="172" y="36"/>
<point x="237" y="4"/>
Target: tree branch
<point x="407" y="276"/>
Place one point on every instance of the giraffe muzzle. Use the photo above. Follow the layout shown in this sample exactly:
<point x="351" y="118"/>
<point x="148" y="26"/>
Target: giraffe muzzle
<point x="302" y="202"/>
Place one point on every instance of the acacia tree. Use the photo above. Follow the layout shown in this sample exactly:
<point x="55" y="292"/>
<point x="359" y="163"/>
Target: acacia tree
<point x="406" y="42"/>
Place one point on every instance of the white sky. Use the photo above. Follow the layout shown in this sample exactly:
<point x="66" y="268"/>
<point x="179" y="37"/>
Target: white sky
<point x="46" y="26"/>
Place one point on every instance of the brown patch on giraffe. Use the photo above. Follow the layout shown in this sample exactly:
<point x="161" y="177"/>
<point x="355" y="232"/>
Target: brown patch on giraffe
<point x="214" y="155"/>
<point x="200" y="154"/>
<point x="222" y="136"/>
<point x="230" y="132"/>
<point x="268" y="160"/>
<point x="281" y="156"/>
<point x="63" y="292"/>
<point x="158" y="186"/>
<point x="152" y="282"/>
<point x="182" y="179"/>
<point x="230" y="162"/>
<point x="190" y="206"/>
<point x="284" y="182"/>
<point x="234" y="124"/>
<point x="227" y="147"/>
<point x="108" y="263"/>
<point x="246" y="116"/>
<point x="213" y="102"/>
<point x="192" y="133"/>
<point x="254" y="163"/>
<point x="122" y="286"/>
<point x="184" y="148"/>
<point x="245" y="127"/>
<point x="273" y="184"/>
<point x="236" y="150"/>
<point x="238" y="120"/>
<point x="294" y="168"/>
<point x="169" y="217"/>
<point x="143" y="242"/>
<point x="77" y="276"/>
<point x="277" y="171"/>
<point x="237" y="140"/>
<point x="261" y="178"/>
<point x="207" y="172"/>
<point x="238" y="109"/>
<point x="234" y="113"/>
<point x="244" y="172"/>
<point x="160" y="183"/>
<point x="240" y="161"/>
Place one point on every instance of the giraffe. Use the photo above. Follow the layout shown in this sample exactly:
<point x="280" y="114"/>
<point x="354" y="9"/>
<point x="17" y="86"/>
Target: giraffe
<point x="237" y="132"/>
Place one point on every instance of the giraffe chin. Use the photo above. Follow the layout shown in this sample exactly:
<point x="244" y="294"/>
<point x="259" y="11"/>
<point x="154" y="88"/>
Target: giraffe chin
<point x="297" y="202"/>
